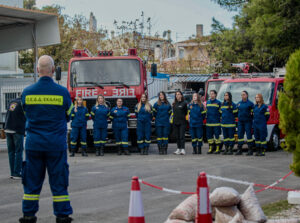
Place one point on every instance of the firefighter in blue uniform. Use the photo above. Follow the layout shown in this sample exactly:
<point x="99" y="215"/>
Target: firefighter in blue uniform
<point x="213" y="122"/>
<point x="245" y="119"/>
<point x="79" y="117"/>
<point x="261" y="115"/>
<point x="100" y="113"/>
<point x="119" y="116"/>
<point x="143" y="112"/>
<point x="47" y="107"/>
<point x="196" y="114"/>
<point x="229" y="112"/>
<point x="162" y="111"/>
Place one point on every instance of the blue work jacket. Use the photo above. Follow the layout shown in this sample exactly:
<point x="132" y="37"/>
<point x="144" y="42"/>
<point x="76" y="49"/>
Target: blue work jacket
<point x="100" y="113"/>
<point x="47" y="108"/>
<point x="197" y="114"/>
<point x="143" y="115"/>
<point x="245" y="111"/>
<point x="228" y="114"/>
<point x="162" y="114"/>
<point x="119" y="117"/>
<point x="79" y="118"/>
<point x="213" y="113"/>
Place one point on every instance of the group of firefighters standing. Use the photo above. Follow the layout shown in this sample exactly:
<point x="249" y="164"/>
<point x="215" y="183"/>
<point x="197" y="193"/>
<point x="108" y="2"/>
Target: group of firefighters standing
<point x="219" y="116"/>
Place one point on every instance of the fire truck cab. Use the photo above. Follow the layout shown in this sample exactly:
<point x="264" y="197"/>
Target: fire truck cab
<point x="111" y="76"/>
<point x="215" y="83"/>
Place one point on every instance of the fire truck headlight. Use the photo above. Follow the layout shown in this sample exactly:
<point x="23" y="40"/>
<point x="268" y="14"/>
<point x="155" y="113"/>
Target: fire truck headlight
<point x="132" y="123"/>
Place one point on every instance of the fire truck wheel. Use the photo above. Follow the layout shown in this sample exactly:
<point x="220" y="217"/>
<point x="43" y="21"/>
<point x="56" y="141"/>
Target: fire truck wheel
<point x="274" y="143"/>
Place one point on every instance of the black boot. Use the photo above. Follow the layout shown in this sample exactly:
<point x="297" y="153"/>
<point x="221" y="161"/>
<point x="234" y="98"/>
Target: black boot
<point x="119" y="151"/>
<point x="72" y="153"/>
<point x="126" y="152"/>
<point x="239" y="150"/>
<point x="83" y="152"/>
<point x="230" y="152"/>
<point x="194" y="149"/>
<point x="199" y="151"/>
<point x="250" y="151"/>
<point x="146" y="150"/>
<point x="226" y="150"/>
<point x="160" y="149"/>
<point x="210" y="150"/>
<point x="64" y="219"/>
<point x="28" y="219"/>
<point x="260" y="152"/>
<point x="165" y="149"/>
<point x="101" y="152"/>
<point x="97" y="151"/>
<point x="217" y="149"/>
<point x="142" y="151"/>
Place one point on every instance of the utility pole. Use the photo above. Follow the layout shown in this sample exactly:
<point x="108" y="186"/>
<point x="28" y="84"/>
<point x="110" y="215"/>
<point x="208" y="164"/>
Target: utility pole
<point x="142" y="23"/>
<point x="149" y="26"/>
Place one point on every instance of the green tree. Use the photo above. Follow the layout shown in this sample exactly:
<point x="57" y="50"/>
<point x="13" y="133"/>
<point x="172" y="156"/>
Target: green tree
<point x="289" y="108"/>
<point x="26" y="58"/>
<point x="265" y="32"/>
<point x="29" y="4"/>
<point x="231" y="5"/>
<point x="62" y="52"/>
<point x="73" y="34"/>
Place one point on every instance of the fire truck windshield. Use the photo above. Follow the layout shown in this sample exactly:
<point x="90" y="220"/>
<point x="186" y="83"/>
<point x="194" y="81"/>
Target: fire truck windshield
<point x="124" y="72"/>
<point x="213" y="85"/>
<point x="253" y="88"/>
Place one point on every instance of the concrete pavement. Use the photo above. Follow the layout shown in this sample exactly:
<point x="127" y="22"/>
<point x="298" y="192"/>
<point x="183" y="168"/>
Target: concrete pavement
<point x="100" y="186"/>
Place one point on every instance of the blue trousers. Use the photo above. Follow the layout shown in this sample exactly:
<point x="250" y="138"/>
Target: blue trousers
<point x="100" y="135"/>
<point x="197" y="135"/>
<point x="242" y="128"/>
<point x="143" y="133"/>
<point x="34" y="169"/>
<point x="260" y="134"/>
<point x="211" y="132"/>
<point x="162" y="133"/>
<point x="15" y="152"/>
<point x="121" y="135"/>
<point x="74" y="136"/>
<point x="228" y="134"/>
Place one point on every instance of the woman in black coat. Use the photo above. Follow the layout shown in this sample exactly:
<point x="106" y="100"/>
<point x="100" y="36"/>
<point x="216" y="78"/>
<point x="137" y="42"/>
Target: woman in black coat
<point x="179" y="122"/>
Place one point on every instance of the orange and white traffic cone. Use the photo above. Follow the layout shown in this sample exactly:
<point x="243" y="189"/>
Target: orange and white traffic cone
<point x="203" y="208"/>
<point x="136" y="208"/>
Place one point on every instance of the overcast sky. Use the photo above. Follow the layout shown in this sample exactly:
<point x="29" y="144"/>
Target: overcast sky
<point x="180" y="16"/>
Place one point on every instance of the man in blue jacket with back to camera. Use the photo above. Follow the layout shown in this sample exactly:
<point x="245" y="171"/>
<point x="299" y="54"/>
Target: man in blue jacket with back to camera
<point x="47" y="107"/>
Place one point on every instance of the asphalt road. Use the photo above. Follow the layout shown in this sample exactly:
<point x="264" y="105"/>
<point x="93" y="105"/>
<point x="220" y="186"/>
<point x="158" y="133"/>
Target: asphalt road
<point x="100" y="186"/>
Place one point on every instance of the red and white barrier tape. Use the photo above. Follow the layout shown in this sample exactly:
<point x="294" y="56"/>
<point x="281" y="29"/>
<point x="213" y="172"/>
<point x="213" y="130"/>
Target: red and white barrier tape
<point x="271" y="186"/>
<point x="264" y="187"/>
<point x="165" y="189"/>
<point x="229" y="180"/>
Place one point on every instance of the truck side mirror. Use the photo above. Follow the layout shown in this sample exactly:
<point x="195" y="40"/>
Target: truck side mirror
<point x="58" y="74"/>
<point x="154" y="70"/>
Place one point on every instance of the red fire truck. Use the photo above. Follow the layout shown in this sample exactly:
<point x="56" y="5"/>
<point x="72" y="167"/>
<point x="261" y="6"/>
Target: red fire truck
<point x="269" y="85"/>
<point x="215" y="83"/>
<point x="112" y="76"/>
